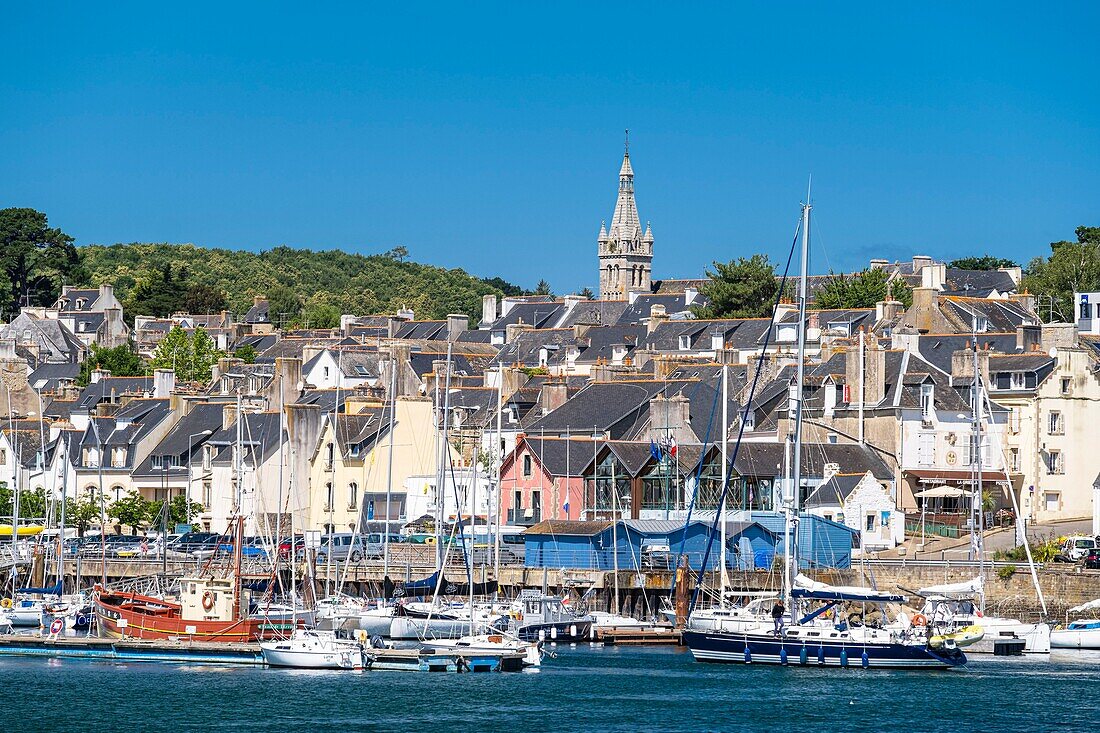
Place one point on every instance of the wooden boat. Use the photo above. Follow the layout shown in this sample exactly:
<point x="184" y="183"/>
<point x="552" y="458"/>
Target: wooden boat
<point x="211" y="609"/>
<point x="206" y="612"/>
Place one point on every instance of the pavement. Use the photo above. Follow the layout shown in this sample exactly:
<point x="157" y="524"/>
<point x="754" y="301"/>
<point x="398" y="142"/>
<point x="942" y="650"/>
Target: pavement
<point x="1000" y="538"/>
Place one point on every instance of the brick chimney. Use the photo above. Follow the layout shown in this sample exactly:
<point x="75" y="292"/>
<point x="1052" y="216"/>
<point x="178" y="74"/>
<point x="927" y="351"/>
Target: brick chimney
<point x="657" y="316"/>
<point x="874" y="372"/>
<point x="553" y="395"/>
<point x="670" y="418"/>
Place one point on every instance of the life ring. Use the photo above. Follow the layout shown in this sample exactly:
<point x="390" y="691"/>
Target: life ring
<point x="6" y="603"/>
<point x="920" y="620"/>
<point x="208" y="600"/>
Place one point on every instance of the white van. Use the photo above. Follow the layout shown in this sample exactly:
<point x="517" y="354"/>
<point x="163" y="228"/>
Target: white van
<point x="1078" y="546"/>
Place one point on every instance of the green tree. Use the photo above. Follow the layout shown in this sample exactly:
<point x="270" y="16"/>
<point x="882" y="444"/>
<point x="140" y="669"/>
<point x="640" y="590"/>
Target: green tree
<point x="246" y="353"/>
<point x="204" y="355"/>
<point x="543" y="288"/>
<point x="159" y="294"/>
<point x="32" y="502"/>
<point x="121" y="361"/>
<point x="173" y="352"/>
<point x="131" y="510"/>
<point x="741" y="288"/>
<point x="985" y="262"/>
<point x="1072" y="267"/>
<point x="82" y="512"/>
<point x="35" y="258"/>
<point x="862" y="290"/>
<point x="399" y="253"/>
<point x="204" y="299"/>
<point x="283" y="305"/>
<point x="587" y="293"/>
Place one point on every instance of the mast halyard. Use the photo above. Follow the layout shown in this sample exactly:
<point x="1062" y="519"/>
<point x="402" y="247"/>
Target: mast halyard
<point x="725" y="480"/>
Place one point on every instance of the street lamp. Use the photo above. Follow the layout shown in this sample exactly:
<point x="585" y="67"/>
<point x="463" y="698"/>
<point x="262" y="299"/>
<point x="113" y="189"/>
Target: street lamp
<point x="187" y="491"/>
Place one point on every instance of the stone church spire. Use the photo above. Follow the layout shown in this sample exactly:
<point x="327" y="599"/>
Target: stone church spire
<point x="625" y="254"/>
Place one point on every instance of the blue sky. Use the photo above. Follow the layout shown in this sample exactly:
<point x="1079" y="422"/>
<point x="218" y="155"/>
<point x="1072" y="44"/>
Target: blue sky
<point x="490" y="139"/>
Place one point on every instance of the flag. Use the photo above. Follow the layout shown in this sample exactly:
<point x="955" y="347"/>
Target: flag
<point x="655" y="450"/>
<point x="672" y="447"/>
<point x="565" y="507"/>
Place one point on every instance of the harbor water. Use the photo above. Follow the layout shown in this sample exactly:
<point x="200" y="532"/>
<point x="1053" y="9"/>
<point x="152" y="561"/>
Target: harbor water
<point x="597" y="689"/>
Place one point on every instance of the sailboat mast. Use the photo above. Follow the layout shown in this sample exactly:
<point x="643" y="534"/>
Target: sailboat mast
<point x="796" y="459"/>
<point x="389" y="464"/>
<point x="725" y="482"/>
<point x="976" y="523"/>
<point x="498" y="451"/>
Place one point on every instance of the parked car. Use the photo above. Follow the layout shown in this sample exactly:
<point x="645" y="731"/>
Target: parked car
<point x="341" y="547"/>
<point x="287" y="546"/>
<point x="1075" y="548"/>
<point x="374" y="543"/>
<point x="186" y="544"/>
<point x="94" y="546"/>
<point x="140" y="547"/>
<point x="1092" y="559"/>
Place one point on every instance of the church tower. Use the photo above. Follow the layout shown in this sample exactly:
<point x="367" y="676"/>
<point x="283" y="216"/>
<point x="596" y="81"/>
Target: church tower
<point x="626" y="254"/>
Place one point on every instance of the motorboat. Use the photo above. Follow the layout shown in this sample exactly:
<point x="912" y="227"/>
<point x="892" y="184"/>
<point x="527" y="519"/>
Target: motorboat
<point x="733" y="618"/>
<point x="1080" y="634"/>
<point x="413" y="620"/>
<point x="314" y="649"/>
<point x="24" y="612"/>
<point x="494" y="643"/>
<point x="536" y="616"/>
<point x="955" y="607"/>
<point x="607" y="620"/>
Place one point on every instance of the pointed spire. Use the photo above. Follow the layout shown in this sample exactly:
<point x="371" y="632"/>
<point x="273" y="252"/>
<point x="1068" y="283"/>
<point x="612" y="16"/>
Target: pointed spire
<point x="603" y="231"/>
<point x="648" y="233"/>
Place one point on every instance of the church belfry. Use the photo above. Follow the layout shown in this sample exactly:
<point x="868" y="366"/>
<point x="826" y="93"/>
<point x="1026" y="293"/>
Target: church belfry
<point x="625" y="252"/>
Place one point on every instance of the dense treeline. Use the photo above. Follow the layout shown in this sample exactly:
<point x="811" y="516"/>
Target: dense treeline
<point x="318" y="285"/>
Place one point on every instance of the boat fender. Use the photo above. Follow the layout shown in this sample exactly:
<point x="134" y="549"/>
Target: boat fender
<point x="920" y="620"/>
<point x="748" y="655"/>
<point x="6" y="603"/>
<point x="783" y="655"/>
<point x="208" y="600"/>
<point x="865" y="660"/>
<point x="843" y="657"/>
<point x="821" y="654"/>
<point x="803" y="656"/>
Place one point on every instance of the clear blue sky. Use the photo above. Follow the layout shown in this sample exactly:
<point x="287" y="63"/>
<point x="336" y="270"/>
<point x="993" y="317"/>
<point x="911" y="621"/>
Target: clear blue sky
<point x="491" y="139"/>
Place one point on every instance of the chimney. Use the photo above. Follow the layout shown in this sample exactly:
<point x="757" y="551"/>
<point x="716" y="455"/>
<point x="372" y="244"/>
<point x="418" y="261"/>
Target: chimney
<point x="657" y="316"/>
<point x="633" y="294"/>
<point x="887" y="310"/>
<point x="1016" y="273"/>
<point x="259" y="299"/>
<point x="829" y="470"/>
<point x="874" y="372"/>
<point x="7" y="348"/>
<point x="1060" y="335"/>
<point x="488" y="309"/>
<point x="920" y="262"/>
<point x="813" y="327"/>
<point x="287" y="382"/>
<point x="879" y="264"/>
<point x="1028" y="338"/>
<point x="690" y="294"/>
<point x="457" y="324"/>
<point x="934" y="275"/>
<point x="670" y="418"/>
<point x="717" y="340"/>
<point x="229" y="414"/>
<point x="962" y="363"/>
<point x="98" y="374"/>
<point x="512" y="330"/>
<point x="906" y="338"/>
<point x="618" y="353"/>
<point x="923" y="311"/>
<point x="1024" y="300"/>
<point x="553" y="395"/>
<point x="164" y="382"/>
<point x="572" y="301"/>
<point x="107" y="292"/>
<point x="406" y="314"/>
<point x="580" y="330"/>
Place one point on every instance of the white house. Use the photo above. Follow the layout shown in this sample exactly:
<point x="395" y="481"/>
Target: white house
<point x="860" y="501"/>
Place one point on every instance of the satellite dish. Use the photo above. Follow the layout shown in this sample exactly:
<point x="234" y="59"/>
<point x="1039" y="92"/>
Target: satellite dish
<point x="1053" y="353"/>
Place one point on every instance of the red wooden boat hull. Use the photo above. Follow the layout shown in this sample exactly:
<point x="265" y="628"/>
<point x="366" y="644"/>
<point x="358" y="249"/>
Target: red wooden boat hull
<point x="154" y="618"/>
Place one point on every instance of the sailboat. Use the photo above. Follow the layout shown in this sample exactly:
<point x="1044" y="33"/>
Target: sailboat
<point x="1080" y="634"/>
<point x="813" y="637"/>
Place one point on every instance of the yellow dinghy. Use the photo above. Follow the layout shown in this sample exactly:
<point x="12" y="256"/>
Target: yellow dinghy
<point x="964" y="637"/>
<point x="25" y="530"/>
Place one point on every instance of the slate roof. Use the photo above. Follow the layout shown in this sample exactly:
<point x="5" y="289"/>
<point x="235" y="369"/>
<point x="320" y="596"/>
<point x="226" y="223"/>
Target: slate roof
<point x="258" y="313"/>
<point x="108" y="387"/>
<point x="429" y="330"/>
<point x="67" y="302"/>
<point x="185" y="436"/>
<point x="1000" y="315"/>
<point x="833" y="492"/>
<point x="936" y="349"/>
<point x="48" y="377"/>
<point x="639" y="311"/>
<point x="538" y="313"/>
<point x="260" y="434"/>
<point x="561" y="456"/>
<point x="766" y="459"/>
<point x="978" y="283"/>
<point x="601" y="312"/>
<point x="54" y="340"/>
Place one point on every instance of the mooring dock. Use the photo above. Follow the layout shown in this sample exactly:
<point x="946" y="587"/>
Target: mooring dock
<point x="632" y="636"/>
<point x="422" y="659"/>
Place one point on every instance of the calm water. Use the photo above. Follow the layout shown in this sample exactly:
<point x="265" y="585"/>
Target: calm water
<point x="583" y="689"/>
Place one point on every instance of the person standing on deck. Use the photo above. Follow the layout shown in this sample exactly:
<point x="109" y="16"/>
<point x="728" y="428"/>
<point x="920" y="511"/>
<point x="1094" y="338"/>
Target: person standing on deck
<point x="777" y="616"/>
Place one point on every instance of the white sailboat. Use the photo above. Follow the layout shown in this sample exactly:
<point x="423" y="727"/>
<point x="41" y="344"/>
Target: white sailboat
<point x="314" y="649"/>
<point x="1080" y="634"/>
